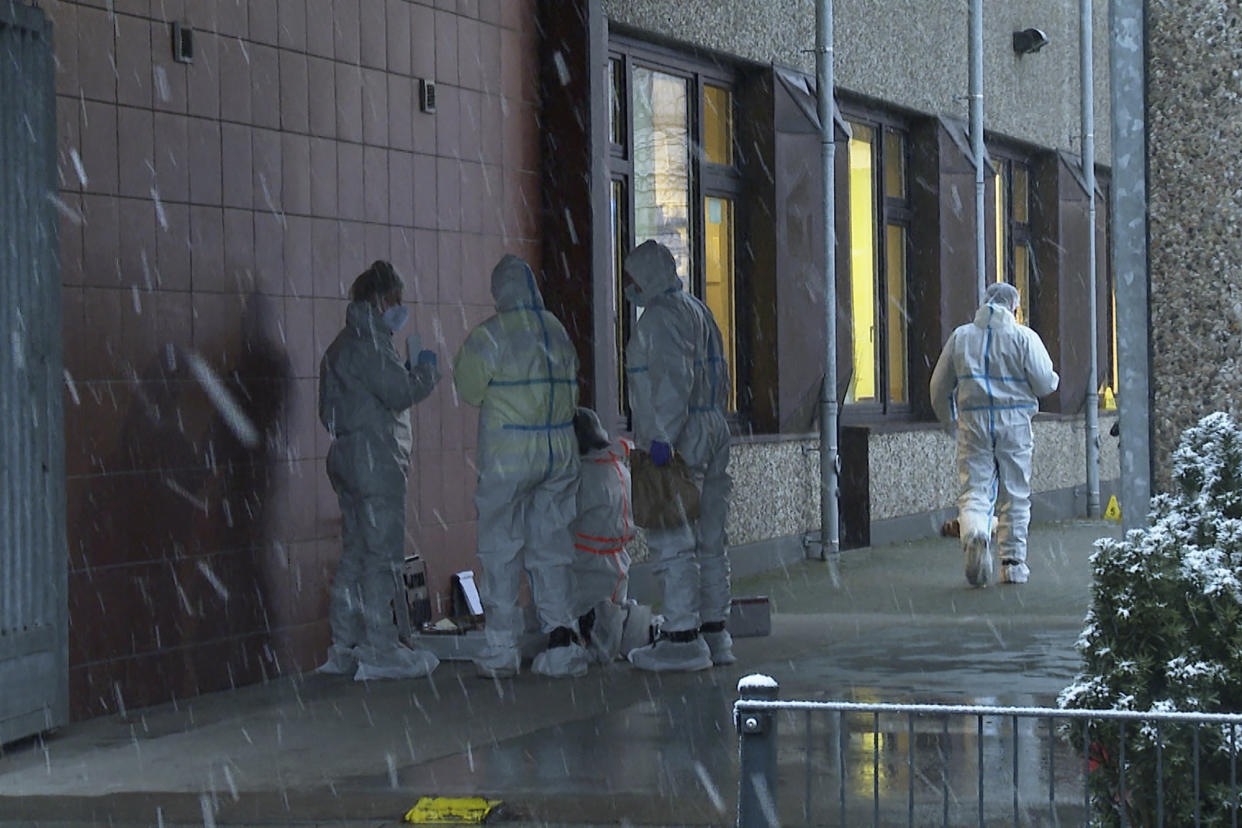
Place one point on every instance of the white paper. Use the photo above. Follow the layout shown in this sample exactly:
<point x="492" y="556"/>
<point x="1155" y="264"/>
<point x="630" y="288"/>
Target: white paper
<point x="413" y="344"/>
<point x="468" y="588"/>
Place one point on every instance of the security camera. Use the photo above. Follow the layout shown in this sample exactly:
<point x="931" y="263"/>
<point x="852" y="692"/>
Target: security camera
<point x="1029" y="41"/>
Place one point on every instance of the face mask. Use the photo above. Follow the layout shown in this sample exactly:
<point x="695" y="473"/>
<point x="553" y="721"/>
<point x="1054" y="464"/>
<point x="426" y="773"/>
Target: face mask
<point x="395" y="317"/>
<point x="632" y="293"/>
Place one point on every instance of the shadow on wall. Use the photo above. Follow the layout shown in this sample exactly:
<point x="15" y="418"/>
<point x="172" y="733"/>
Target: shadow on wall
<point x="176" y="585"/>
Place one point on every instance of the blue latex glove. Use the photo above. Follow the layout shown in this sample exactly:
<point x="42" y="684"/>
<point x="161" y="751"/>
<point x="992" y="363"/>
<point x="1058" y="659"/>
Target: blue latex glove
<point x="661" y="453"/>
<point x="427" y="357"/>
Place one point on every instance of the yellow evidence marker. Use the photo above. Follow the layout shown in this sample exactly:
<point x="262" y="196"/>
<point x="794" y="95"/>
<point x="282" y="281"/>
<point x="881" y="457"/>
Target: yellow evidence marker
<point x="443" y="810"/>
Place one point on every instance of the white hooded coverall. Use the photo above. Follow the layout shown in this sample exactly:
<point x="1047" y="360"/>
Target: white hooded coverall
<point x="520" y="367"/>
<point x="602" y="529"/>
<point x="604" y="525"/>
<point x="679" y="391"/>
<point x="365" y="395"/>
<point x="989" y="378"/>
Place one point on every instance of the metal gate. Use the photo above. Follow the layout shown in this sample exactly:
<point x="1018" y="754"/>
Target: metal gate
<point x="850" y="764"/>
<point x="34" y="660"/>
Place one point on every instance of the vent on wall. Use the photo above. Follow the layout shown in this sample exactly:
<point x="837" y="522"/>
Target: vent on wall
<point x="426" y="95"/>
<point x="183" y="42"/>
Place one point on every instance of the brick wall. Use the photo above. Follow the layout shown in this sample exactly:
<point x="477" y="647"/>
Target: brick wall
<point x="220" y="210"/>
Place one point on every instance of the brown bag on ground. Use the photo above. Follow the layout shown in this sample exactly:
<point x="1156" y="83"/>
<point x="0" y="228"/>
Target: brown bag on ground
<point x="665" y="497"/>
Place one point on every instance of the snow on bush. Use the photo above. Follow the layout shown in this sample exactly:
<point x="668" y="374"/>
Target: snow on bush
<point x="1164" y="633"/>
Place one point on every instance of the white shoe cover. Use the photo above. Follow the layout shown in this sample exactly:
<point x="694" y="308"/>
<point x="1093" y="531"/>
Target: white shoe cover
<point x="341" y="662"/>
<point x="1015" y="573"/>
<point x="607" y="633"/>
<point x="637" y="630"/>
<point x="570" y="661"/>
<point x="665" y="655"/>
<point x="978" y="559"/>
<point x="496" y="664"/>
<point x="398" y="663"/>
<point x="721" y="645"/>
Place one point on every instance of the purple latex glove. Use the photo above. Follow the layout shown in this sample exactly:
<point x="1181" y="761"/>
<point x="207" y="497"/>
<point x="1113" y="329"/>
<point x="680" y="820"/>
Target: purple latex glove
<point x="427" y="358"/>
<point x="661" y="453"/>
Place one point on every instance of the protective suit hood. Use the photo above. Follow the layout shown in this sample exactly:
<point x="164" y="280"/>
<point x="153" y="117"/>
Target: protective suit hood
<point x="652" y="268"/>
<point x="996" y="315"/>
<point x="513" y="285"/>
<point x="364" y="318"/>
<point x="590" y="431"/>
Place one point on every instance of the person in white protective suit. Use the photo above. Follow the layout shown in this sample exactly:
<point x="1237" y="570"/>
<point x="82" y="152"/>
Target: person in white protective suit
<point x="520" y="367"/>
<point x="365" y="394"/>
<point x="679" y="390"/>
<point x="989" y="378"/>
<point x="603" y="527"/>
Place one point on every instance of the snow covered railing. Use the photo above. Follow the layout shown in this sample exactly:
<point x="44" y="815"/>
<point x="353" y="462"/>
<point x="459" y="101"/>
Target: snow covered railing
<point x="751" y="705"/>
<point x="954" y="764"/>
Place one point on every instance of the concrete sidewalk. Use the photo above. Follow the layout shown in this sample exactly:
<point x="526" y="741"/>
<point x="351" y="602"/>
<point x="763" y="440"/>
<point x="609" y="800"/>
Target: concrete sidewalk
<point x="894" y="623"/>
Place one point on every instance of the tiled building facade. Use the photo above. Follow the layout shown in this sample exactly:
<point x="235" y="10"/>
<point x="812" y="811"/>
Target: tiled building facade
<point x="221" y="208"/>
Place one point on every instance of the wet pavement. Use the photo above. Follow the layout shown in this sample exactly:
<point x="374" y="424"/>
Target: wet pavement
<point x="892" y="623"/>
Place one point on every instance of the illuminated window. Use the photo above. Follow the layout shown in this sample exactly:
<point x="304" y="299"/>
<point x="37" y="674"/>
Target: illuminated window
<point x="717" y="125"/>
<point x="1110" y="388"/>
<point x="862" y="264"/>
<point x="879" y="239"/>
<point x="898" y="321"/>
<point x="718" y="273"/>
<point x="675" y="181"/>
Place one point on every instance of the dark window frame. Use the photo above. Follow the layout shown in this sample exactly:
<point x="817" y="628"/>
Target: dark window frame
<point x="889" y="211"/>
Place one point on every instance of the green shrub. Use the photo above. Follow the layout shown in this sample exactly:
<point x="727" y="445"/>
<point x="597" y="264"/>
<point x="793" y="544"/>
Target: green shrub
<point x="1164" y="633"/>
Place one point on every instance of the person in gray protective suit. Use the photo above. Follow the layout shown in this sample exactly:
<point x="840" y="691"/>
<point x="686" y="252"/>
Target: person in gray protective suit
<point x="679" y="392"/>
<point x="989" y="379"/>
<point x="603" y="527"/>
<point x="521" y="369"/>
<point x="365" y="394"/>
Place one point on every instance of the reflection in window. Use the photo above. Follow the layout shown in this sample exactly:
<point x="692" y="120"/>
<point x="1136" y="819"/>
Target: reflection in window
<point x="717" y="125"/>
<point x="618" y="250"/>
<point x="616" y="114"/>
<point x="718" y="291"/>
<point x="661" y="152"/>
<point x="862" y="263"/>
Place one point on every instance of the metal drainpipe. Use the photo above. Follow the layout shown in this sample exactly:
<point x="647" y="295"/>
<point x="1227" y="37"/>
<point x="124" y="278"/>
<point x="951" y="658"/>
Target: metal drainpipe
<point x="1128" y="103"/>
<point x="829" y="458"/>
<point x="1087" y="78"/>
<point x="976" y="143"/>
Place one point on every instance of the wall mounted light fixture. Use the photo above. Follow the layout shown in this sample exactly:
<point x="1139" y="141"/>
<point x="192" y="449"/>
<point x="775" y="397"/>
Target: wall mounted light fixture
<point x="182" y="42"/>
<point x="1029" y="41"/>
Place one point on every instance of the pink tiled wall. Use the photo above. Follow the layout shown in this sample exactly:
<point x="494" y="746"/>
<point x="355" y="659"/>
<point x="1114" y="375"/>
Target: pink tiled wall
<point x="221" y="209"/>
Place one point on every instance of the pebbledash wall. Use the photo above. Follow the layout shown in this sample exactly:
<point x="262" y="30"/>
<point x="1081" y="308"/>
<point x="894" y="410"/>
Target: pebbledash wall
<point x="899" y="476"/>
<point x="1195" y="201"/>
<point x="910" y="485"/>
<point x="215" y="214"/>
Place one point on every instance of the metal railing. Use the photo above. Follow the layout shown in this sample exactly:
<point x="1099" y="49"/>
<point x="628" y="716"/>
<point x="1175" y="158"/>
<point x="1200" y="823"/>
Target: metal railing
<point x="926" y="764"/>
